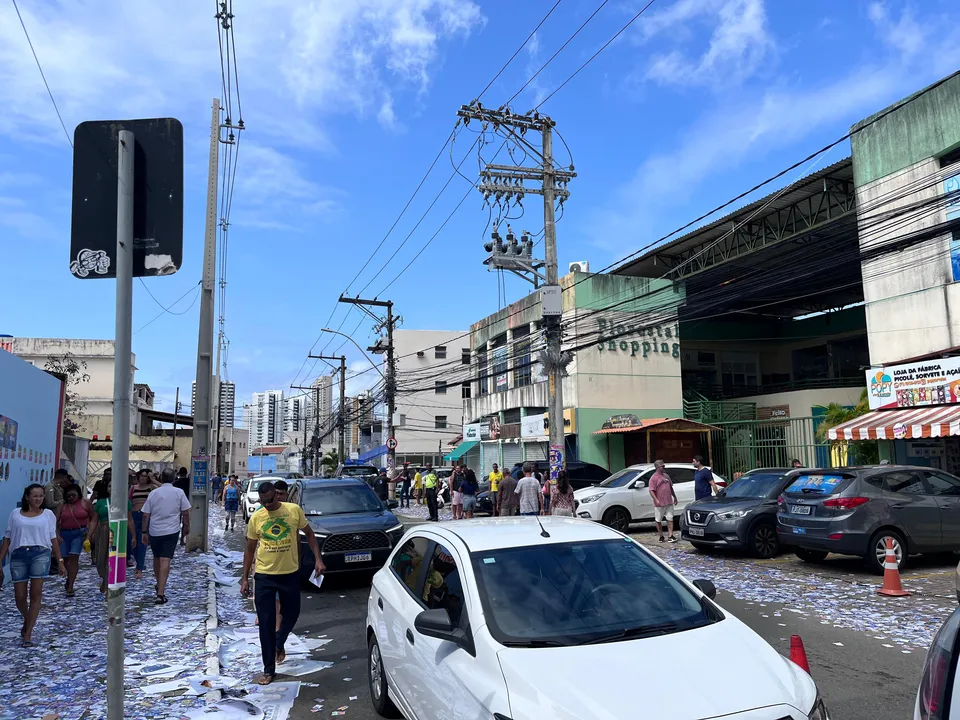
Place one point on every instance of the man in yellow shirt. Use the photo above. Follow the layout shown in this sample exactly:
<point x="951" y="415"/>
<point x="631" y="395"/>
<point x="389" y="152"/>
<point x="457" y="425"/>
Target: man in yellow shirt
<point x="430" y="483"/>
<point x="273" y="535"/>
<point x="418" y="487"/>
<point x="495" y="478"/>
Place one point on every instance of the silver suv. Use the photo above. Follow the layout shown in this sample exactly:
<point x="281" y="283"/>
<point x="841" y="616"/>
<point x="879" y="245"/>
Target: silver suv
<point x="854" y="511"/>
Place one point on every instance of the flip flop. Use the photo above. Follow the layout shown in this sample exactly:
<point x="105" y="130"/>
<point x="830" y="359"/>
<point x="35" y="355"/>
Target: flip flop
<point x="162" y="600"/>
<point x="71" y="593"/>
<point x="281" y="656"/>
<point x="266" y="678"/>
<point x="27" y="644"/>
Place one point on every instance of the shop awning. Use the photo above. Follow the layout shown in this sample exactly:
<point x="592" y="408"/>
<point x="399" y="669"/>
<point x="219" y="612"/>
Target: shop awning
<point x="906" y="423"/>
<point x="661" y="425"/>
<point x="460" y="450"/>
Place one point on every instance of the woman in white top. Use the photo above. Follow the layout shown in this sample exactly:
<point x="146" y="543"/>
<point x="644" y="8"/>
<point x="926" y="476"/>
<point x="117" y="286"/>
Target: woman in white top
<point x="30" y="537"/>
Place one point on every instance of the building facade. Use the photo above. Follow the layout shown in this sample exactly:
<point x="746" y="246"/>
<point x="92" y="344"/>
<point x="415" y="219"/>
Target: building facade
<point x="264" y="418"/>
<point x="228" y="402"/>
<point x="234" y="451"/>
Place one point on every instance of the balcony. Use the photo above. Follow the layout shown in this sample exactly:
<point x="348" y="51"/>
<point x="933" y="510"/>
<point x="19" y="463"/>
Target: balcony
<point x="730" y="392"/>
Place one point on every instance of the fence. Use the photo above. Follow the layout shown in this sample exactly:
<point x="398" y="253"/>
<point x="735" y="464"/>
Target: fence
<point x="746" y="444"/>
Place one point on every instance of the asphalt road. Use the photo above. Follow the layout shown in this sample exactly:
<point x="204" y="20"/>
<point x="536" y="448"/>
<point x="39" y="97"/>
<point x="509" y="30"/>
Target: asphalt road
<point x="859" y="677"/>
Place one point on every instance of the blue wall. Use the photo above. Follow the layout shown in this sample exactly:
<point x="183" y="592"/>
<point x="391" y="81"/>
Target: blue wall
<point x="269" y="464"/>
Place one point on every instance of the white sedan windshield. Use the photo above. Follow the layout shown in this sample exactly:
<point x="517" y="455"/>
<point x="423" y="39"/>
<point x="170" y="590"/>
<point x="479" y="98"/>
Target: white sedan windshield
<point x="575" y="593"/>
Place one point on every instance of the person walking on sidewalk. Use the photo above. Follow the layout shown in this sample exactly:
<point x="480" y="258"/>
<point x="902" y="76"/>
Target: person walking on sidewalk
<point x="75" y="517"/>
<point x="406" y="475"/>
<point x="468" y="490"/>
<point x="704" y="485"/>
<point x="99" y="528"/>
<point x="456" y="495"/>
<point x="418" y="487"/>
<point x="664" y="499"/>
<point x="528" y="490"/>
<point x="430" y="483"/>
<point x="231" y="503"/>
<point x="30" y="539"/>
<point x="53" y="492"/>
<point x="273" y="539"/>
<point x="183" y="482"/>
<point x="561" y="496"/>
<point x="165" y="515"/>
<point x="138" y="496"/>
<point x="507" y="499"/>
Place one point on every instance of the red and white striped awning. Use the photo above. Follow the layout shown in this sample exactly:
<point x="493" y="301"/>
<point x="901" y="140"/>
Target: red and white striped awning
<point x="906" y="423"/>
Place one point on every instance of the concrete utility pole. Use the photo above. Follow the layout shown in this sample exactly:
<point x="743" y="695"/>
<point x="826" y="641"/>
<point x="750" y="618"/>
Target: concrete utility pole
<point x="390" y="377"/>
<point x="341" y="425"/>
<point x="200" y="460"/>
<point x="504" y="184"/>
<point x="314" y="461"/>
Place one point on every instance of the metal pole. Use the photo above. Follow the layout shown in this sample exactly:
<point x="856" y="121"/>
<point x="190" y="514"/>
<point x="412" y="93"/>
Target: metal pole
<point x="552" y="323"/>
<point x="316" y="428"/>
<point x="122" y="389"/>
<point x="216" y="412"/>
<point x="391" y="399"/>
<point x="341" y="447"/>
<point x="303" y="452"/>
<point x="176" y="411"/>
<point x="200" y="460"/>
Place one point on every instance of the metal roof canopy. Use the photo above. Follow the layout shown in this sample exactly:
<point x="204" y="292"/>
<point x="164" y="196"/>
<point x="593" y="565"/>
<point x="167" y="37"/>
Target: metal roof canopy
<point x="777" y="229"/>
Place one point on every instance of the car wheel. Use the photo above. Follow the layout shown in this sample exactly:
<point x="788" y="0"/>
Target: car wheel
<point x="379" y="694"/>
<point x="811" y="556"/>
<point x="617" y="518"/>
<point x="764" y="542"/>
<point x="877" y="550"/>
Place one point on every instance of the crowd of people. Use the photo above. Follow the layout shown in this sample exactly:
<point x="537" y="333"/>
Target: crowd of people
<point x="532" y="494"/>
<point x="53" y="526"/>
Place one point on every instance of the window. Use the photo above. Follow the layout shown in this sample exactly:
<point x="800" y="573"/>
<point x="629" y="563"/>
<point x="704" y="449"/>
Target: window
<point x="465" y="391"/>
<point x="500" y="363"/>
<point x="680" y="474"/>
<point x="440" y="387"/>
<point x="620" y="479"/>
<point x="905" y="483"/>
<point x="408" y="561"/>
<point x="943" y="484"/>
<point x="523" y="369"/>
<point x="440" y="352"/>
<point x="482" y="371"/>
<point x="440" y="422"/>
<point x="442" y="589"/>
<point x="465" y="356"/>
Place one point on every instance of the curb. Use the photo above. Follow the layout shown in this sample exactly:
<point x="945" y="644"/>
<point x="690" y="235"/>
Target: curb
<point x="212" y="642"/>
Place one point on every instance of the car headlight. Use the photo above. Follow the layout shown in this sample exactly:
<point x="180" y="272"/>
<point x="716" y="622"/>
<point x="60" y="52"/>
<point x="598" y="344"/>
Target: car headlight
<point x="592" y="498"/>
<point x="819" y="711"/>
<point x="732" y="515"/>
<point x="396" y="528"/>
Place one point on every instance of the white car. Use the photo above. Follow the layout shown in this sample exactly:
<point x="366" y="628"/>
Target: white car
<point x="623" y="498"/>
<point x="938" y="697"/>
<point x="250" y="500"/>
<point x="527" y="618"/>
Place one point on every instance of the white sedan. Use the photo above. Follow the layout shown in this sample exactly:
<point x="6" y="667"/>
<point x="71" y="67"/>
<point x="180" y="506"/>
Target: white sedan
<point x="624" y="497"/>
<point x="520" y="619"/>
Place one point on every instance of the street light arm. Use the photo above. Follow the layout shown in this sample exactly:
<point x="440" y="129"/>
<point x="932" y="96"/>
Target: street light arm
<point x="337" y="332"/>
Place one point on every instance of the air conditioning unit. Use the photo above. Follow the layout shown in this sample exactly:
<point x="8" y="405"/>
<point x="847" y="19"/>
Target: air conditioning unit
<point x="580" y="266"/>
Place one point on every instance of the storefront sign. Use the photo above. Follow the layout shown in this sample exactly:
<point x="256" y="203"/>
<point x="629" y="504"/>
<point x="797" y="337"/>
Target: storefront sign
<point x="621" y="421"/>
<point x="569" y="422"/>
<point x="486" y="429"/>
<point x="534" y="426"/>
<point x="929" y="382"/>
<point x="774" y="412"/>
<point x="637" y="339"/>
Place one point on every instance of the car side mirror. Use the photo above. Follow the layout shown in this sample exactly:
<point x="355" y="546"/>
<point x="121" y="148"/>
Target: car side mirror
<point x="707" y="588"/>
<point x="391" y="504"/>
<point x="640" y="485"/>
<point x="437" y="624"/>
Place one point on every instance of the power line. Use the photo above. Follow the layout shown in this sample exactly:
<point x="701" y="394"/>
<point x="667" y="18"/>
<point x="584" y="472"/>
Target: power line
<point x="42" y="75"/>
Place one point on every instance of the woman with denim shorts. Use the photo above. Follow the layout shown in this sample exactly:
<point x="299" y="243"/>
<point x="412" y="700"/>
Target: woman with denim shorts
<point x="75" y="515"/>
<point x="30" y="538"/>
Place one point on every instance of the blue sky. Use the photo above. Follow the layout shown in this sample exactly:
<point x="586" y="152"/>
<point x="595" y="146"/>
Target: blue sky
<point x="346" y="104"/>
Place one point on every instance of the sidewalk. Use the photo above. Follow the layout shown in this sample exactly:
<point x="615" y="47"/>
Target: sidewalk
<point x="420" y="512"/>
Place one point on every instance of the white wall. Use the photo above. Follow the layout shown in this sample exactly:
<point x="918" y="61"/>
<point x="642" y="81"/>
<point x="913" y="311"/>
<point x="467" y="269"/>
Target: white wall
<point x="802" y="402"/>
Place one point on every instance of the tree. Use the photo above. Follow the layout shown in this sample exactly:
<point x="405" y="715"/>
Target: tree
<point x="862" y="452"/>
<point x="73" y="372"/>
<point x="330" y="461"/>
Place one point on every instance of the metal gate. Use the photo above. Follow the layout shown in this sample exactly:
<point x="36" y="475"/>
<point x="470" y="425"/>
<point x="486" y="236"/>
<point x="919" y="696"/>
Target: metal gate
<point x="512" y="454"/>
<point x="535" y="451"/>
<point x="747" y="444"/>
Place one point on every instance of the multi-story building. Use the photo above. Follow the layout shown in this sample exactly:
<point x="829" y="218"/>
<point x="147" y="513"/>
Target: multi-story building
<point x="429" y="405"/>
<point x="228" y="401"/>
<point x="298" y="414"/>
<point x="234" y="450"/>
<point x="323" y="398"/>
<point x="264" y="418"/>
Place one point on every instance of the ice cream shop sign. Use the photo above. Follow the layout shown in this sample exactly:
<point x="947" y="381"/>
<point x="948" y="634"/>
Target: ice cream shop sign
<point x="928" y="382"/>
<point x="638" y="340"/>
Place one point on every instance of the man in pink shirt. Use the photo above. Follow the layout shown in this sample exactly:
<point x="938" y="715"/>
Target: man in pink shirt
<point x="664" y="499"/>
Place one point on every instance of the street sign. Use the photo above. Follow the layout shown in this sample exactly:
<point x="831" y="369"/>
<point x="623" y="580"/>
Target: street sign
<point x="391" y="443"/>
<point x="157" y="198"/>
<point x="201" y="463"/>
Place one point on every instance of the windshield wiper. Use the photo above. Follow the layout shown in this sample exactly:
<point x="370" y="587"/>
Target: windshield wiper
<point x="811" y="490"/>
<point x="534" y="643"/>
<point x="633" y="632"/>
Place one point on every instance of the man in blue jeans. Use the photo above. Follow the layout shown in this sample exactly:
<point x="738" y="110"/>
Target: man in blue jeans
<point x="531" y="499"/>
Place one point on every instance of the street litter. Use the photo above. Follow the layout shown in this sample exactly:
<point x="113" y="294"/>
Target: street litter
<point x="230" y="709"/>
<point x="296" y="667"/>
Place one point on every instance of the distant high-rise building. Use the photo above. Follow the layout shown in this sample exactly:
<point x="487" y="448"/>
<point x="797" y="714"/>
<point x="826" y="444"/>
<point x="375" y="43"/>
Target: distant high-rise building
<point x="264" y="418"/>
<point x="228" y="401"/>
<point x="324" y="399"/>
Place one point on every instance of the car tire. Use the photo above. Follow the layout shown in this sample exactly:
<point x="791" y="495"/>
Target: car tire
<point x="764" y="543"/>
<point x="876" y="550"/>
<point x="617" y="518"/>
<point x="811" y="556"/>
<point x="377" y="680"/>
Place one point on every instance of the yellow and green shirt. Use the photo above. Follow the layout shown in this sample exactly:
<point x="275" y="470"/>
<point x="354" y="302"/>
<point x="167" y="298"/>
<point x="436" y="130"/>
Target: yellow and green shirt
<point x="278" y="536"/>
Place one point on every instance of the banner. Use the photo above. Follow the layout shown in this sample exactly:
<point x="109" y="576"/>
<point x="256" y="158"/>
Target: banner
<point x="533" y="426"/>
<point x="928" y="382"/>
<point x="117" y="558"/>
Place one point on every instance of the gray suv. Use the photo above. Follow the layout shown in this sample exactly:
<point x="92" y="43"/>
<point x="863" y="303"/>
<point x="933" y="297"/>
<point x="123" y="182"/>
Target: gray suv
<point x="853" y="511"/>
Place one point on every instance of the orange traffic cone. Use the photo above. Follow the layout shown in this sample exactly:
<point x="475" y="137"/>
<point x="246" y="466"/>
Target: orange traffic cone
<point x="798" y="654"/>
<point x="891" y="575"/>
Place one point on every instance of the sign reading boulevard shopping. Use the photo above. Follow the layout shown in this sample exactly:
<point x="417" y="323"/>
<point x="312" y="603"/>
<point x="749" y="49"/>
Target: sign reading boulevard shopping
<point x="928" y="382"/>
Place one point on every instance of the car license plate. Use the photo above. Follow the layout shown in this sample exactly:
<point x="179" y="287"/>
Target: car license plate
<point x="800" y="509"/>
<point x="358" y="557"/>
<point x="800" y="531"/>
<point x="695" y="532"/>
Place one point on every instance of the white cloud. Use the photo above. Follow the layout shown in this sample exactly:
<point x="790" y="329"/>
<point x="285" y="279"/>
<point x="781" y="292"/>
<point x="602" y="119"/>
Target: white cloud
<point x="905" y="35"/>
<point x="739" y="42"/>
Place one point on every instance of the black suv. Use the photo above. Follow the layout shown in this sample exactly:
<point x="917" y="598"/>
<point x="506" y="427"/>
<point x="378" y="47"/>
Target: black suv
<point x="743" y="516"/>
<point x="581" y="475"/>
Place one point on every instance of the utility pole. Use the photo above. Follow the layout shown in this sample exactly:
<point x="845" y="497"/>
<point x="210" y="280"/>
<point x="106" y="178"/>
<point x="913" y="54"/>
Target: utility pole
<point x="200" y="455"/>
<point x="316" y="431"/>
<point x="389" y="378"/>
<point x="505" y="184"/>
<point x="343" y="398"/>
<point x="176" y="412"/>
